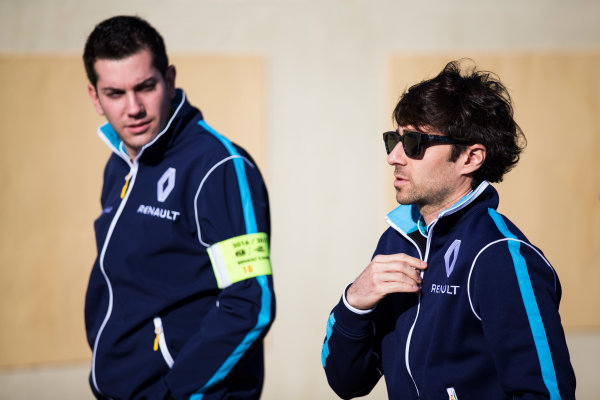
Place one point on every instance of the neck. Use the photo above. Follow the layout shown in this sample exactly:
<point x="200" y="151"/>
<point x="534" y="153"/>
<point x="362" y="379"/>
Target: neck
<point x="131" y="152"/>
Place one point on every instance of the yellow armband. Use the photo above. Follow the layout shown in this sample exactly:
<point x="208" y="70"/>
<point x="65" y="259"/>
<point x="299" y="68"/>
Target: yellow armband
<point x="239" y="258"/>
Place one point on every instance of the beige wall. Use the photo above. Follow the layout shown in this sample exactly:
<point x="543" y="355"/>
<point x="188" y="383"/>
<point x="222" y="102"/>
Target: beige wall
<point x="48" y="201"/>
<point x="320" y="77"/>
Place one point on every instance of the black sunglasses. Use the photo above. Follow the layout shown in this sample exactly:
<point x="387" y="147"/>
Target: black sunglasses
<point x="412" y="141"/>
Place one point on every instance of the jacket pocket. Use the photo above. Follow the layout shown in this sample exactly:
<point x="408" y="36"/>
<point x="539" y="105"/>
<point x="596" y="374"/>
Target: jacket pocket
<point x="451" y="393"/>
<point x="161" y="343"/>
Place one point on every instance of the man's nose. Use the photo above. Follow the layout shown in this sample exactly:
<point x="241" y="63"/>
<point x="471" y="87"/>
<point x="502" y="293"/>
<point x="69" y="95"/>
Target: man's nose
<point x="397" y="155"/>
<point x="135" y="107"/>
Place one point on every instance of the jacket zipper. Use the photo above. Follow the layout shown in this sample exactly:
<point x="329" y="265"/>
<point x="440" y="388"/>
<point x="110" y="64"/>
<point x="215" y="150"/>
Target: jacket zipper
<point x="124" y="197"/>
<point x="408" y="339"/>
<point x="129" y="181"/>
<point x="468" y="199"/>
<point x="161" y="343"/>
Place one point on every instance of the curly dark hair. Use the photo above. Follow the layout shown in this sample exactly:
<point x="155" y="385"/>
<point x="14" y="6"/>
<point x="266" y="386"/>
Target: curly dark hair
<point x="472" y="107"/>
<point x="119" y="37"/>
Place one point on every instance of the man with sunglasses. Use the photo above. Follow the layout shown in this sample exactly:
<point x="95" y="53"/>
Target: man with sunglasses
<point x="456" y="302"/>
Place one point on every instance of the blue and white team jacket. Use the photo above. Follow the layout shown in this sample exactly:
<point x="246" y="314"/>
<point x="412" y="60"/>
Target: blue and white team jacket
<point x="164" y="321"/>
<point x="485" y="325"/>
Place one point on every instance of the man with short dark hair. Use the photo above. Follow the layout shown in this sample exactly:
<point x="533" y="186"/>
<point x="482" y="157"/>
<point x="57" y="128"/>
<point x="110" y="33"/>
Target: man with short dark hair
<point x="181" y="295"/>
<point x="456" y="303"/>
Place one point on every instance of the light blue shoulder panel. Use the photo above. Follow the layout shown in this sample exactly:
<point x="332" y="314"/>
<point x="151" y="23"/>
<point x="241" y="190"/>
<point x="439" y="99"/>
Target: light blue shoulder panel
<point x="531" y="308"/>
<point x="240" y="169"/>
<point x="264" y="315"/>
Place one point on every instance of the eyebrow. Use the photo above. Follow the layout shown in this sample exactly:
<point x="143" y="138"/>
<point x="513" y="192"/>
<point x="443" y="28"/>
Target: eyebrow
<point x="149" y="81"/>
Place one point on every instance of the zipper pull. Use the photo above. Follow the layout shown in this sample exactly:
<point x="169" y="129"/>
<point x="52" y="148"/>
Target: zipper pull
<point x="157" y="331"/>
<point x="124" y="190"/>
<point x="451" y="393"/>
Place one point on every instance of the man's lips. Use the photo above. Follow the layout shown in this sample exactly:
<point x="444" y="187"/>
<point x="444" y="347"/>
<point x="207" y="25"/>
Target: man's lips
<point x="139" y="127"/>
<point x="399" y="180"/>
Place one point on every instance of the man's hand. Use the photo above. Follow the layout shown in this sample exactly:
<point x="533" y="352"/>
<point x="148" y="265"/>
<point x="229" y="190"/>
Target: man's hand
<point x="385" y="274"/>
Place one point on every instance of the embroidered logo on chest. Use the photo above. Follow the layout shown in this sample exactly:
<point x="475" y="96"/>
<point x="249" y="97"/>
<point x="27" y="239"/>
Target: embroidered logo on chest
<point x="450" y="261"/>
<point x="165" y="185"/>
<point x="451" y="256"/>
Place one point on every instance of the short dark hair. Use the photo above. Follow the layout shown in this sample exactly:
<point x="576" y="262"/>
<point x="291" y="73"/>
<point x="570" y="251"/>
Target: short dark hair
<point x="120" y="37"/>
<point x="473" y="107"/>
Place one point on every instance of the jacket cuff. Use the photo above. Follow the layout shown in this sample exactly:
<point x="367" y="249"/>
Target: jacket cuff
<point x="352" y="323"/>
<point x="353" y="309"/>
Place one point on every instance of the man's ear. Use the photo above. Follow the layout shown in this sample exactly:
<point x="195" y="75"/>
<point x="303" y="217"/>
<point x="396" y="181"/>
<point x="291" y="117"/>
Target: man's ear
<point x="170" y="80"/>
<point x="473" y="158"/>
<point x="95" y="100"/>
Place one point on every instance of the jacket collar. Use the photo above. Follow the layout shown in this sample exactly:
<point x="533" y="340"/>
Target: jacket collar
<point x="406" y="219"/>
<point x="112" y="140"/>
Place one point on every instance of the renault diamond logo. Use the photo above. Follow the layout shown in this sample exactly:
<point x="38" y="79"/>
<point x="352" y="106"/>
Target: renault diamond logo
<point x="165" y="185"/>
<point x="451" y="256"/>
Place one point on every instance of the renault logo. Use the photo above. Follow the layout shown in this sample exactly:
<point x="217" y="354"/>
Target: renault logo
<point x="451" y="256"/>
<point x="165" y="185"/>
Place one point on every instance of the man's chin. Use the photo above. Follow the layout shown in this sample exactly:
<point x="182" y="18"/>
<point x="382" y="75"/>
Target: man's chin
<point x="142" y="140"/>
<point x="135" y="146"/>
<point x="403" y="199"/>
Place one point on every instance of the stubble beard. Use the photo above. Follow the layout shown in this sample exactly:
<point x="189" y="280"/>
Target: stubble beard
<point x="433" y="197"/>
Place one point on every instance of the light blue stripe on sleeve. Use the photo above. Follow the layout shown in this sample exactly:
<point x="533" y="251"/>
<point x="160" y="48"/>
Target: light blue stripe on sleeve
<point x="531" y="308"/>
<point x="264" y="315"/>
<point x="242" y="180"/>
<point x="325" y="351"/>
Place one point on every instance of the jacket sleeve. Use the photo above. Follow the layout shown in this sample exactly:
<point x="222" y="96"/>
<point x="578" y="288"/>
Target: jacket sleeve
<point x="349" y="354"/>
<point x="516" y="294"/>
<point x="228" y="344"/>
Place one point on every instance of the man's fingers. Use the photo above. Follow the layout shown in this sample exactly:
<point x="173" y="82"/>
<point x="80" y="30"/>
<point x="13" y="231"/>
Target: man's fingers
<point x="410" y="277"/>
<point x="411" y="266"/>
<point x="399" y="287"/>
<point x="365" y="293"/>
<point x="393" y="273"/>
<point x="400" y="259"/>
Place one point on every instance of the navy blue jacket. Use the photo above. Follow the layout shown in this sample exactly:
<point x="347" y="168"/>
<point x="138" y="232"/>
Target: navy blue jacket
<point x="484" y="326"/>
<point x="157" y="321"/>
